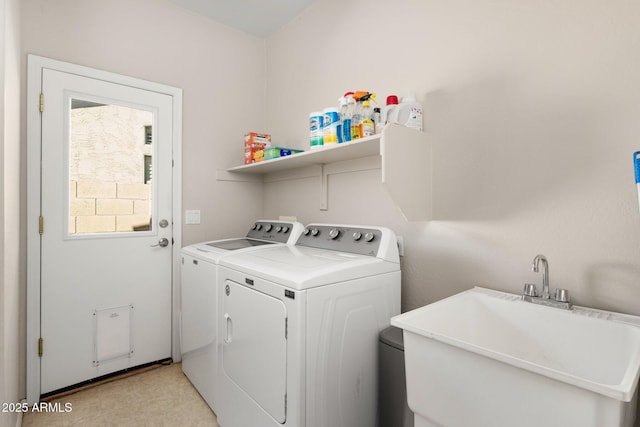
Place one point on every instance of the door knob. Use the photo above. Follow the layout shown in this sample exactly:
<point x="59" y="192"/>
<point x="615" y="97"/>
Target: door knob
<point x="162" y="243"/>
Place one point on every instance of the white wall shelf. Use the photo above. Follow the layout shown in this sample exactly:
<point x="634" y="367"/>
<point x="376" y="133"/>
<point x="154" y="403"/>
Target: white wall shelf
<point x="368" y="146"/>
<point x="405" y="159"/>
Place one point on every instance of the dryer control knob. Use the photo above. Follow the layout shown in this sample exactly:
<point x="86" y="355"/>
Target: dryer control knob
<point x="369" y="237"/>
<point x="279" y="229"/>
<point x="306" y="231"/>
<point x="268" y="227"/>
<point x="255" y="226"/>
<point x="258" y="226"/>
<point x="285" y="229"/>
<point x="334" y="233"/>
<point x="315" y="232"/>
<point x="357" y="236"/>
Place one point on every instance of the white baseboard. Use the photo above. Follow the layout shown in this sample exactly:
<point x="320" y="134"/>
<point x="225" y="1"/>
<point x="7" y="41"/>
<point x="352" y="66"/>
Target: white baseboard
<point x="20" y="414"/>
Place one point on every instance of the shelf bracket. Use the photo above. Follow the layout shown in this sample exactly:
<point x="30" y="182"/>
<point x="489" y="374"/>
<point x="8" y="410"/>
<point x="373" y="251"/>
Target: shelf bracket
<point x="324" y="178"/>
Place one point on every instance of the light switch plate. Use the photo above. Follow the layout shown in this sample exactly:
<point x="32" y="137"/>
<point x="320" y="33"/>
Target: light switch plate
<point x="192" y="217"/>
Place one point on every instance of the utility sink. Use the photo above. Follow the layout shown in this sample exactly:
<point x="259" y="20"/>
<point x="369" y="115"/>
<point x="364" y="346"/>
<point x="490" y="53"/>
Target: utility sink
<point x="487" y="358"/>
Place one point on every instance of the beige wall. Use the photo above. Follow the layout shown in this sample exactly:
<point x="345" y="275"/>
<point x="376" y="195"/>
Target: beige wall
<point x="11" y="280"/>
<point x="533" y="108"/>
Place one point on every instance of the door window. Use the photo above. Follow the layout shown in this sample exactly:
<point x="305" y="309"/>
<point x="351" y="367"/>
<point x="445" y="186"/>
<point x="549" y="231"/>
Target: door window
<point x="110" y="168"/>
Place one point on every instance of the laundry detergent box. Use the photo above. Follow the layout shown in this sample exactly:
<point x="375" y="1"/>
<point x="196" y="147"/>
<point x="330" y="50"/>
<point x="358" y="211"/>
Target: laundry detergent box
<point x="253" y="153"/>
<point x="254" y="144"/>
<point x="275" y="152"/>
<point x="253" y="137"/>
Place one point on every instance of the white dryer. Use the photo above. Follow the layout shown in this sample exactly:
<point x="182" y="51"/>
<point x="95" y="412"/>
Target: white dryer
<point x="199" y="304"/>
<point x="299" y="328"/>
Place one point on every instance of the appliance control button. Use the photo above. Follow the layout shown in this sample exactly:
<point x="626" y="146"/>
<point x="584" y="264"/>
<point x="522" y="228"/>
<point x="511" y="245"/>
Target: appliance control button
<point x="279" y="229"/>
<point x="258" y="226"/>
<point x="369" y="237"/>
<point x="285" y="229"/>
<point x="268" y="227"/>
<point x="255" y="226"/>
<point x="315" y="232"/>
<point x="334" y="233"/>
<point x="357" y="236"/>
<point x="306" y="231"/>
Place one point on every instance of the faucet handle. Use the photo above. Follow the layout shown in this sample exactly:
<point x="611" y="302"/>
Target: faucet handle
<point x="561" y="295"/>
<point x="530" y="290"/>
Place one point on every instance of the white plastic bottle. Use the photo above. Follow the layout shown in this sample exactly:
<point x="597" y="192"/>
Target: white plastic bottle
<point x="356" y="120"/>
<point x="344" y="128"/>
<point x="349" y="112"/>
<point x="377" y="122"/>
<point x="389" y="109"/>
<point x="408" y="113"/>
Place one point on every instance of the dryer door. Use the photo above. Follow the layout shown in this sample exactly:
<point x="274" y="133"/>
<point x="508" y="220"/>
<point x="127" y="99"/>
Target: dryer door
<point x="255" y="346"/>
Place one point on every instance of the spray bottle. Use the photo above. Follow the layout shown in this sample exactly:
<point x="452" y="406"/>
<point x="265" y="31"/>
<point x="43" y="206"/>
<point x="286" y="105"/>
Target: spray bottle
<point x="363" y="116"/>
<point x="367" y="125"/>
<point x="346" y="112"/>
<point x="356" y="119"/>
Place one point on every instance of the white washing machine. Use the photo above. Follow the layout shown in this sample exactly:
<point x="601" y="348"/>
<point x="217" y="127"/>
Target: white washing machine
<point x="299" y="328"/>
<point x="199" y="305"/>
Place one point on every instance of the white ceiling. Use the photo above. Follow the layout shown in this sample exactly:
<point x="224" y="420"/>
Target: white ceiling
<point x="258" y="17"/>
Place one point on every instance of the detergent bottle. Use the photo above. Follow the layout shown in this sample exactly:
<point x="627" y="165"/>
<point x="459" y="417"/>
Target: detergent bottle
<point x="389" y="109"/>
<point x="408" y="113"/>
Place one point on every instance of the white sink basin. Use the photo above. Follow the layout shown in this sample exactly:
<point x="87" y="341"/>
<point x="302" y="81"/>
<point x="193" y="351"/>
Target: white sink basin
<point x="486" y="358"/>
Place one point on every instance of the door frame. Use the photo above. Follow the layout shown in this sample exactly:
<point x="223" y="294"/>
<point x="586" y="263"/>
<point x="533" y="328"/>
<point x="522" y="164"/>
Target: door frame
<point x="35" y="65"/>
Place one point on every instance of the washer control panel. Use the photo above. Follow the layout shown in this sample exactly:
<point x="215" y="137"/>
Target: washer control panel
<point x="275" y="231"/>
<point x="356" y="240"/>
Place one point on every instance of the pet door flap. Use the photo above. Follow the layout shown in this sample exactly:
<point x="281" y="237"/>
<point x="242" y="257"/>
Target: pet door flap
<point x="112" y="333"/>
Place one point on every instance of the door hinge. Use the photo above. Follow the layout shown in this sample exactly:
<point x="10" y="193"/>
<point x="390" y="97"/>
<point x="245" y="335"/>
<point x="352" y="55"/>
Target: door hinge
<point x="41" y="105"/>
<point x="40" y="346"/>
<point x="41" y="224"/>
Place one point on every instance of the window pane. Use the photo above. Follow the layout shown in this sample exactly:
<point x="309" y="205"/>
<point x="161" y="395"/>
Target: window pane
<point x="110" y="165"/>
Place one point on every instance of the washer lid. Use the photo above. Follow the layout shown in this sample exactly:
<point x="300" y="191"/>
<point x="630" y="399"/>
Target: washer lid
<point x="235" y="244"/>
<point x="213" y="251"/>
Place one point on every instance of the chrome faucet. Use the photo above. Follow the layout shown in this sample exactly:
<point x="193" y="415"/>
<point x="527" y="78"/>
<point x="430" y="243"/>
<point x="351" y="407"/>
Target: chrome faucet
<point x="545" y="274"/>
<point x="530" y="294"/>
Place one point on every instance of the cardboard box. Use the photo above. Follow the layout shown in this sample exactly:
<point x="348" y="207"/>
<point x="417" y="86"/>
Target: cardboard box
<point x="254" y="143"/>
<point x="254" y="137"/>
<point x="253" y="152"/>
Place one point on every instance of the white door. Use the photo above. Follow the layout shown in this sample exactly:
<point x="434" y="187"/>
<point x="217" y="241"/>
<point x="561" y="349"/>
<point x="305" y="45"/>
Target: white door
<point x="255" y="346"/>
<point x="106" y="238"/>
